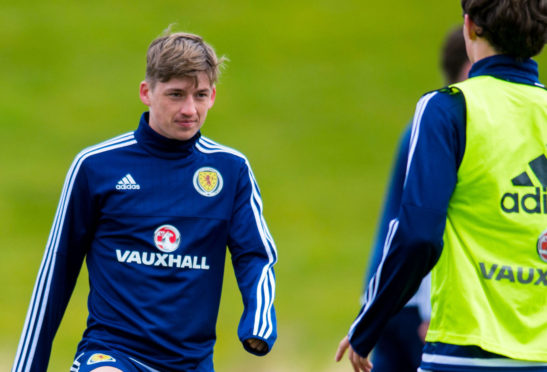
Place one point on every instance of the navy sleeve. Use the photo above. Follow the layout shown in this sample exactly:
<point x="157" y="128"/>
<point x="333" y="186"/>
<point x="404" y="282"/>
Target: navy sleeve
<point x="65" y="250"/>
<point x="413" y="241"/>
<point x="253" y="256"/>
<point x="392" y="202"/>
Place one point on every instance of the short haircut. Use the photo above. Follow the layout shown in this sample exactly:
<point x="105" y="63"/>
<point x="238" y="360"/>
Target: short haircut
<point x="181" y="55"/>
<point x="514" y="27"/>
<point x="453" y="55"/>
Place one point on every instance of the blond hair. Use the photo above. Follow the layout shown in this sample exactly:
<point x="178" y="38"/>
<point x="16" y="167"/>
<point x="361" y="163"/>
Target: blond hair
<point x="180" y="55"/>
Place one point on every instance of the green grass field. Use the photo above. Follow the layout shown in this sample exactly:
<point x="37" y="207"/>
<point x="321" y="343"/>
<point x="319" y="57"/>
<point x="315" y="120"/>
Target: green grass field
<point x="315" y="94"/>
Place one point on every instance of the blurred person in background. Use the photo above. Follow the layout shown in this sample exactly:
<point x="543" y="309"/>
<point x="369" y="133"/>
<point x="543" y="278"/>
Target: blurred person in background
<point x="473" y="207"/>
<point x="404" y="334"/>
<point x="152" y="211"/>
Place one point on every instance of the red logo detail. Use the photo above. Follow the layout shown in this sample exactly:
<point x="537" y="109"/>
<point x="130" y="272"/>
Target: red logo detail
<point x="167" y="238"/>
<point x="542" y="246"/>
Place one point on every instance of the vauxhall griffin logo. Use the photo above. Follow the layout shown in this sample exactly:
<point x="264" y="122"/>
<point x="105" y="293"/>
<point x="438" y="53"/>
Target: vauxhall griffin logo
<point x="167" y="238"/>
<point x="542" y="246"/>
<point x="528" y="202"/>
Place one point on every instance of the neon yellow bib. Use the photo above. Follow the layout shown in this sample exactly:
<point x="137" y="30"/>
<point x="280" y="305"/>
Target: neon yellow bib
<point x="489" y="287"/>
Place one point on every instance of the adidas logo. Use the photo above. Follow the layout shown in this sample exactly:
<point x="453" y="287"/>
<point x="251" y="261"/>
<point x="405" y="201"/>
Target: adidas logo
<point x="539" y="167"/>
<point x="532" y="203"/>
<point x="127" y="183"/>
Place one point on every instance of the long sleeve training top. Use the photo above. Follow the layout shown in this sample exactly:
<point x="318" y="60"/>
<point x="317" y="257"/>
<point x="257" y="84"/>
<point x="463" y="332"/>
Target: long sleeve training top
<point x="153" y="217"/>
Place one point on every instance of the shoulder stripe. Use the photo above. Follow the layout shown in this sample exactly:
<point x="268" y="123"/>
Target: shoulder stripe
<point x="207" y="142"/>
<point x="265" y="292"/>
<point x="35" y="315"/>
<point x="116" y="140"/>
<point x="420" y="108"/>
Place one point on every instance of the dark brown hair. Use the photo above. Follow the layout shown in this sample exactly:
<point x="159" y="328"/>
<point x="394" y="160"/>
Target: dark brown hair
<point x="514" y="27"/>
<point x="453" y="55"/>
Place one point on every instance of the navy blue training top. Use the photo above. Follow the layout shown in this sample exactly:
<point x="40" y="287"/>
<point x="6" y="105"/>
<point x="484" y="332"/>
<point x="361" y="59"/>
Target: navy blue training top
<point x="153" y="217"/>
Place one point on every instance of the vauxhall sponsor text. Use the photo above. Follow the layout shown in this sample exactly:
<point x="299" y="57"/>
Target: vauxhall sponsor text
<point x="162" y="259"/>
<point x="514" y="274"/>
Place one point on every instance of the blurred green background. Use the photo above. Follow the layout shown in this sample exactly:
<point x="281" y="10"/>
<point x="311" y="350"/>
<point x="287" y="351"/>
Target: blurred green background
<point x="315" y="94"/>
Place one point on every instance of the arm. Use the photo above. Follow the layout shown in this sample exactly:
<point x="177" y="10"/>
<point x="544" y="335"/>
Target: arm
<point x="61" y="263"/>
<point x="392" y="201"/>
<point x="253" y="256"/>
<point x="414" y="239"/>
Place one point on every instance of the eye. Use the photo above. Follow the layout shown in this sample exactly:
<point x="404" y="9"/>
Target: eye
<point x="203" y="94"/>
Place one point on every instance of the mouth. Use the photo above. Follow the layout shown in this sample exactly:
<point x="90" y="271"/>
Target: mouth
<point x="185" y="123"/>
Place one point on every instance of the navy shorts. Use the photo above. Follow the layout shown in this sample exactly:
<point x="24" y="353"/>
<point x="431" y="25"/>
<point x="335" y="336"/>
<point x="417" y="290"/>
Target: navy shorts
<point x="89" y="360"/>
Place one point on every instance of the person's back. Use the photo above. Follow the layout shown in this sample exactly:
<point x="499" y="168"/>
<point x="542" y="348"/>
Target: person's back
<point x="496" y="223"/>
<point x="488" y="288"/>
<point x="475" y="178"/>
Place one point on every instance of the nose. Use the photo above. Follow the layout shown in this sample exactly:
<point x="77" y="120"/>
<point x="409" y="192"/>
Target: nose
<point x="188" y="107"/>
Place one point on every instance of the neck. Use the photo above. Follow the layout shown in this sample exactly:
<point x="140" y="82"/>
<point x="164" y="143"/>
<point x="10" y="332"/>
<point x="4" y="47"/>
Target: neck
<point x="160" y="146"/>
<point x="479" y="49"/>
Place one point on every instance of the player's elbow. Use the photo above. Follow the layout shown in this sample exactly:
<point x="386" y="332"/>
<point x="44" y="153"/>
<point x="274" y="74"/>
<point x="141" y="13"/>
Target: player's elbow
<point x="426" y="248"/>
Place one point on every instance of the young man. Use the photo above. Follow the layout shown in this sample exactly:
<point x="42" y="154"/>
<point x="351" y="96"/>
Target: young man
<point x="153" y="211"/>
<point x="474" y="183"/>
<point x="404" y="334"/>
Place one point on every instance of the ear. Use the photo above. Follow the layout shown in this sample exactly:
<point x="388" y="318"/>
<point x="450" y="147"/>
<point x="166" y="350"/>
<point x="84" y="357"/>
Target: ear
<point x="144" y="92"/>
<point x="469" y="27"/>
<point x="213" y="96"/>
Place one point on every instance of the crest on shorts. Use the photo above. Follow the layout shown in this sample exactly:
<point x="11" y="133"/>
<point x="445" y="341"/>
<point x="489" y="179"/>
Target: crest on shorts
<point x="542" y="246"/>
<point x="208" y="181"/>
<point x="98" y="358"/>
<point x="167" y="238"/>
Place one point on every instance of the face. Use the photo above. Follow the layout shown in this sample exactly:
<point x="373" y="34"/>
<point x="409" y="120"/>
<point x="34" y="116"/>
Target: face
<point x="178" y="107"/>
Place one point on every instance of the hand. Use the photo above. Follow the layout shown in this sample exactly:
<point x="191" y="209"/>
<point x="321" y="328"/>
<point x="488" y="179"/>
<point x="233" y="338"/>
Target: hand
<point x="257" y="345"/>
<point x="358" y="362"/>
